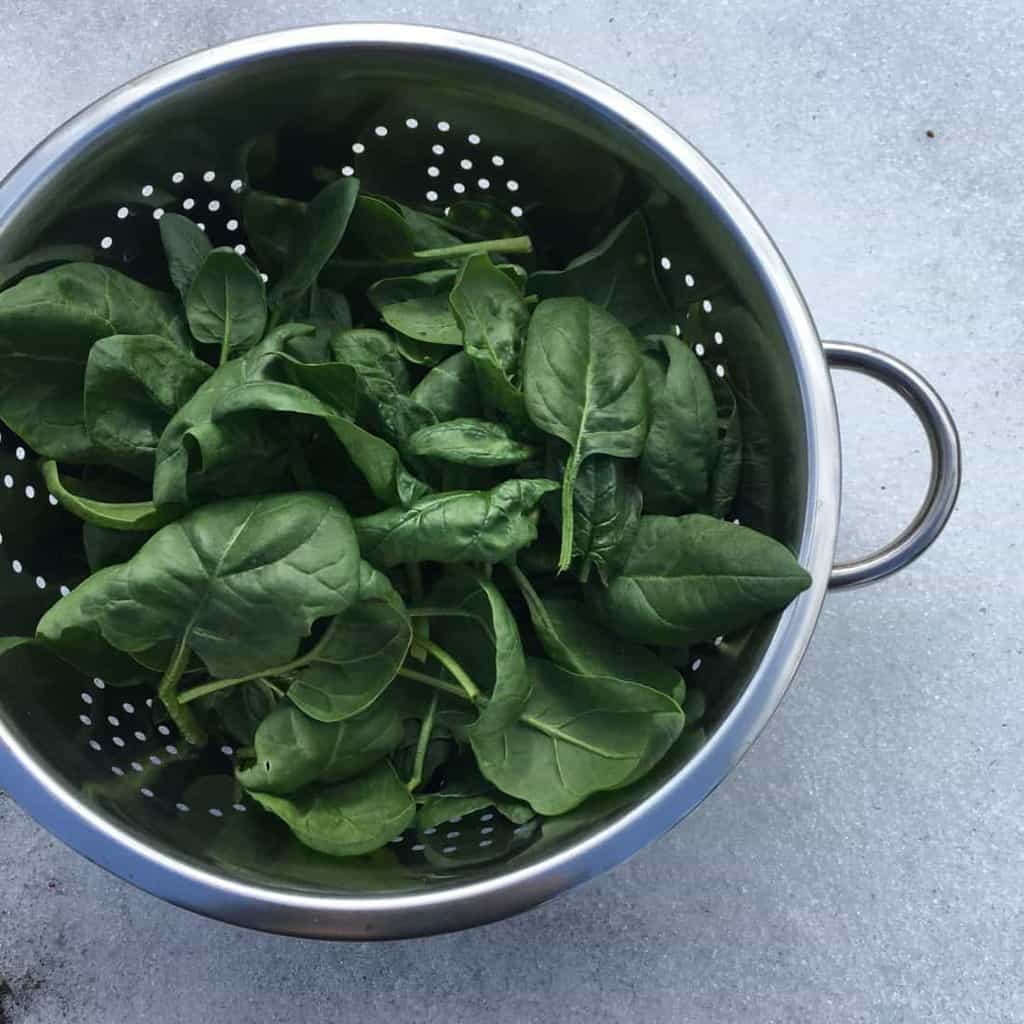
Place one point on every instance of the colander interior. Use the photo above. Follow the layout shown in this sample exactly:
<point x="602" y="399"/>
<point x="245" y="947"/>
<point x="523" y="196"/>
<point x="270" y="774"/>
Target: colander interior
<point x="428" y="129"/>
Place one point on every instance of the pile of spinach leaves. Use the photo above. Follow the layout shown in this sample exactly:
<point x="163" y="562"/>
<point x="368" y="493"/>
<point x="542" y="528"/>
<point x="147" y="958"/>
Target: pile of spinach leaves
<point x="422" y="531"/>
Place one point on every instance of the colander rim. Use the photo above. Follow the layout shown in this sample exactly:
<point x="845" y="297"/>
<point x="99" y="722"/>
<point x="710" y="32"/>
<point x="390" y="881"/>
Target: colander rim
<point x="461" y="904"/>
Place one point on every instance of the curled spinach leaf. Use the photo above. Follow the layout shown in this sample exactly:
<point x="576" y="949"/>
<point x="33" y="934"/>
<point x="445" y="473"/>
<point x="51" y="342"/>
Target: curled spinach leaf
<point x="454" y="527"/>
<point x="486" y="643"/>
<point x="492" y="317"/>
<point x="470" y="442"/>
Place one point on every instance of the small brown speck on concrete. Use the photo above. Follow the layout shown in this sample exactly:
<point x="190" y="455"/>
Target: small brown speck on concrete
<point x="930" y="134"/>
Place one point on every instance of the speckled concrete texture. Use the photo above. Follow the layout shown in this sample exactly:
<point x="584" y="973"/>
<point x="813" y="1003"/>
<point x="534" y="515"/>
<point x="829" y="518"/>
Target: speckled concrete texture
<point x="866" y="861"/>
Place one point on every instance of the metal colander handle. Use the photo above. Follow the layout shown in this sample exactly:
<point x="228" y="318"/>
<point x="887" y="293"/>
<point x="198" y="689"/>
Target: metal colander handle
<point x="944" y="443"/>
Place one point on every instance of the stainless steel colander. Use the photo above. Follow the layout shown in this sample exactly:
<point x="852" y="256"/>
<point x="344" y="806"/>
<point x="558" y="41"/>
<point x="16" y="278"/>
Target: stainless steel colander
<point x="428" y="116"/>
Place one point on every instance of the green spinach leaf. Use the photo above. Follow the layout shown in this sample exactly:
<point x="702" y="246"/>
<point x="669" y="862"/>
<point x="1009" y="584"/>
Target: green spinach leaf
<point x="492" y="317"/>
<point x="227" y="303"/>
<point x="449" y="390"/>
<point x="725" y="477"/>
<point x="375" y="458"/>
<point x="572" y="640"/>
<point x="695" y="577"/>
<point x="112" y="515"/>
<point x="314" y="238"/>
<point x="134" y="384"/>
<point x="240" y="583"/>
<point x="349" y="818"/>
<point x="682" y="445"/>
<point x="360" y="655"/>
<point x="185" y="247"/>
<point x="71" y="632"/>
<point x="618" y="275"/>
<point x="417" y="306"/>
<point x="454" y="527"/>
<point x="578" y="735"/>
<point x="584" y="383"/>
<point x="606" y="505"/>
<point x="485" y="641"/>
<point x="48" y="325"/>
<point x="470" y="442"/>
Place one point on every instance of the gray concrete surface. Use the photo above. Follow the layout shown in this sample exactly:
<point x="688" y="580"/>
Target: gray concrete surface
<point x="865" y="862"/>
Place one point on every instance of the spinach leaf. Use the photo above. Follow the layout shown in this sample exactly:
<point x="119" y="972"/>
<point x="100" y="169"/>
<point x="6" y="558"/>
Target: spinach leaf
<point x="492" y="318"/>
<point x="606" y="505"/>
<point x="105" y="547"/>
<point x="682" y="445"/>
<point x="240" y="711"/>
<point x="186" y="248"/>
<point x="578" y="735"/>
<point x="329" y="309"/>
<point x="656" y="371"/>
<point x="725" y="477"/>
<point x="71" y="632"/>
<point x="293" y="750"/>
<point x="375" y="458"/>
<point x="485" y="641"/>
<point x="439" y="808"/>
<point x="48" y="325"/>
<point x="270" y="223"/>
<point x="449" y="390"/>
<point x="420" y="353"/>
<point x="617" y="275"/>
<point x="240" y="583"/>
<point x="459" y="526"/>
<point x="360" y="654"/>
<point x="570" y="639"/>
<point x="429" y="232"/>
<point x="375" y="357"/>
<point x="417" y="306"/>
<point x="349" y="818"/>
<point x="44" y="258"/>
<point x="314" y="238"/>
<point x="227" y="303"/>
<point x="476" y="220"/>
<point x="441" y="748"/>
<point x="470" y="442"/>
<point x="378" y="232"/>
<point x="134" y="384"/>
<point x="583" y="382"/>
<point x="198" y="458"/>
<point x="693" y="578"/>
<point x="112" y="515"/>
